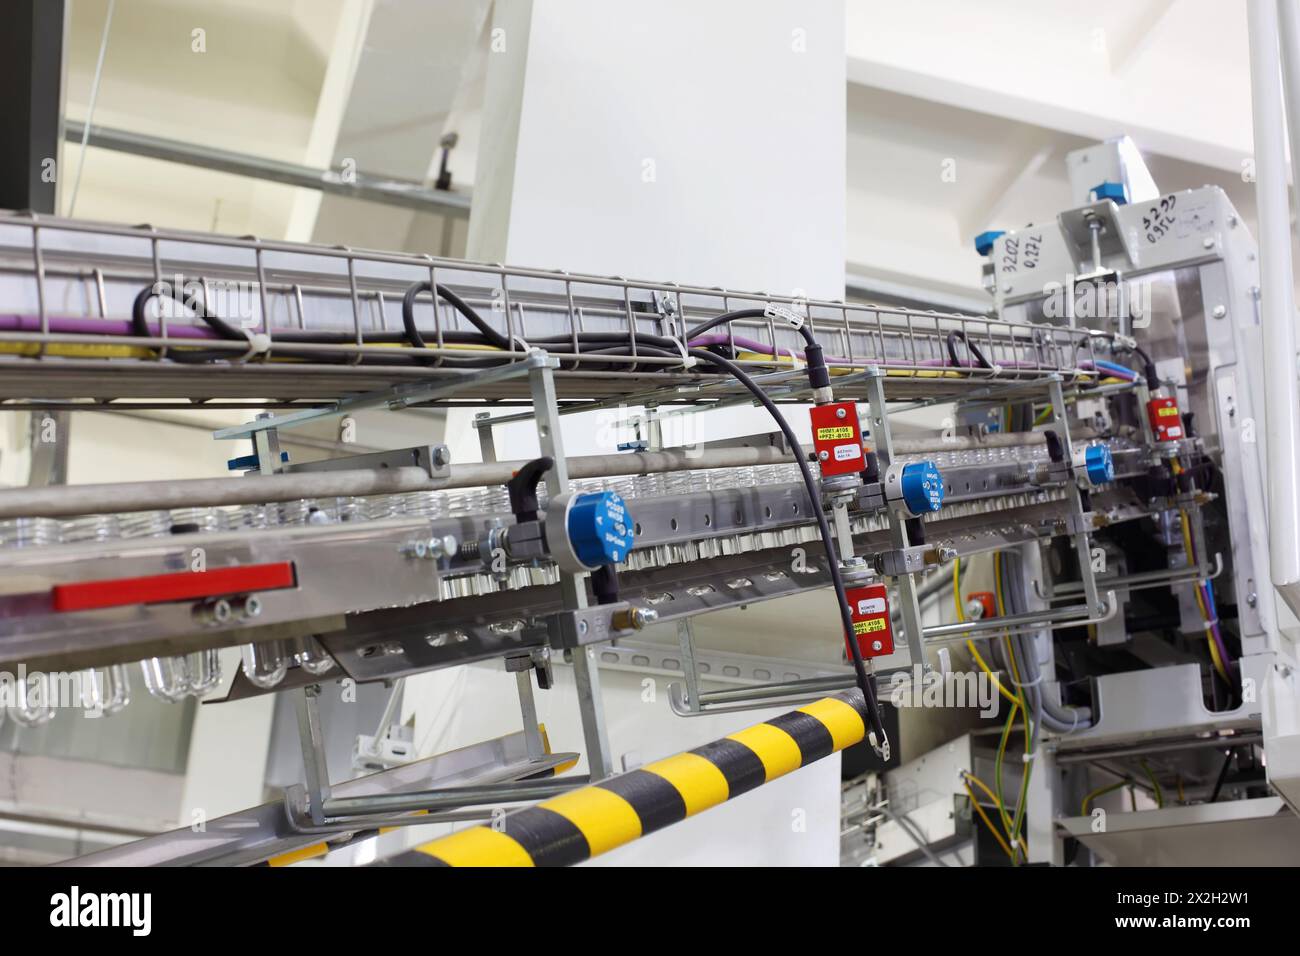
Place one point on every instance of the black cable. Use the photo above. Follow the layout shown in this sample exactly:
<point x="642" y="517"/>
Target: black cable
<point x="1148" y="367"/>
<point x="140" y="324"/>
<point x="1223" y="776"/>
<point x="865" y="684"/>
<point x="971" y="348"/>
<point x="460" y="305"/>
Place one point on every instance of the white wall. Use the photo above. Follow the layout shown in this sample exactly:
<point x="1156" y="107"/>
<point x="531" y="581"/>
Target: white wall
<point x="702" y="143"/>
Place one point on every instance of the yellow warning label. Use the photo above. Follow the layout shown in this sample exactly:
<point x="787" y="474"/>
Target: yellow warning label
<point x="1166" y="411"/>
<point x="834" y="433"/>
<point x="868" y="627"/>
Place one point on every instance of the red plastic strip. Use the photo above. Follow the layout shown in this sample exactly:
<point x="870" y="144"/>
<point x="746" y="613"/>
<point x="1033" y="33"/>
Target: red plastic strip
<point x="177" y="586"/>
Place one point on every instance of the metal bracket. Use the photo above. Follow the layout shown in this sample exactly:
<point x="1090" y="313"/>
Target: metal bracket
<point x="1050" y="619"/>
<point x="1139" y="582"/>
<point x="578" y="627"/>
<point x="396" y="397"/>
<point x="433" y="460"/>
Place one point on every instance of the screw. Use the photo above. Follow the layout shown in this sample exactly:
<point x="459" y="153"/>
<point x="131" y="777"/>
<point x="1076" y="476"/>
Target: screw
<point x="840" y="413"/>
<point x="442" y="455"/>
<point x="823" y="455"/>
<point x="582" y="627"/>
<point x="1208" y="242"/>
<point x="1252" y="599"/>
<point x="634" y="618"/>
<point x="252" y="606"/>
<point x="213" y="612"/>
<point x="1219" y="312"/>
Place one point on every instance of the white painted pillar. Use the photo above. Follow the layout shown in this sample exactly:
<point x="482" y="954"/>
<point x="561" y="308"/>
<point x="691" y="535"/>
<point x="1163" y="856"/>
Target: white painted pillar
<point x="693" y="142"/>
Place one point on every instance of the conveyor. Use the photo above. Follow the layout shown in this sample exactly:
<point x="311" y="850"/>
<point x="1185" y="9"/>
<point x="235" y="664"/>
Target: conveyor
<point x="387" y="564"/>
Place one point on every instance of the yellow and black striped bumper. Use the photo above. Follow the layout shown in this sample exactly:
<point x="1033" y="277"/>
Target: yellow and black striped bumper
<point x="591" y="820"/>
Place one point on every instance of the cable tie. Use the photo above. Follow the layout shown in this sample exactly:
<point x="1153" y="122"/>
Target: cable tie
<point x="790" y="317"/>
<point x="259" y="343"/>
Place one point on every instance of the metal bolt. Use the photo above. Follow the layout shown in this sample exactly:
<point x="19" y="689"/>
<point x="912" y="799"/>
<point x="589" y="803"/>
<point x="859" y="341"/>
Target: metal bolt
<point x="1219" y="312"/>
<point x="213" y="612"/>
<point x="1252" y="599"/>
<point x="634" y="618"/>
<point x="876" y="646"/>
<point x="252" y="606"/>
<point x="1208" y="242"/>
<point x="840" y="413"/>
<point x="823" y="455"/>
<point x="441" y="455"/>
<point x="582" y="627"/>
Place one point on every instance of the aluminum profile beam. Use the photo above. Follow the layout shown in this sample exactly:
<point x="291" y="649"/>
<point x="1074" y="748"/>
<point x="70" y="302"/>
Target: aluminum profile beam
<point x="390" y="192"/>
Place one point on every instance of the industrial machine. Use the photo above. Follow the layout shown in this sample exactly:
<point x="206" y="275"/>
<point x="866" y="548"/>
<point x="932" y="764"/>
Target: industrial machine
<point x="1093" y="444"/>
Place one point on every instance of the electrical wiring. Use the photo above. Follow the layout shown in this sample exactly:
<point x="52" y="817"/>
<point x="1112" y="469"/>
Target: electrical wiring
<point x="1218" y="650"/>
<point x="970" y="644"/>
<point x="864" y="682"/>
<point x="1100" y="792"/>
<point x="1030" y="737"/>
<point x="975" y="804"/>
<point x="1155" y="784"/>
<point x="997" y="772"/>
<point x="460" y="305"/>
<point x="969" y="778"/>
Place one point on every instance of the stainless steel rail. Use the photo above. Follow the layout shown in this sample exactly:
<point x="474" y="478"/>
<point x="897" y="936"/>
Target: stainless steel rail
<point x="62" y="280"/>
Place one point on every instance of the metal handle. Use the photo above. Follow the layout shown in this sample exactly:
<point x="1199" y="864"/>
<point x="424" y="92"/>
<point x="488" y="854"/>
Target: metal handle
<point x="1052" y="619"/>
<point x="1140" y="582"/>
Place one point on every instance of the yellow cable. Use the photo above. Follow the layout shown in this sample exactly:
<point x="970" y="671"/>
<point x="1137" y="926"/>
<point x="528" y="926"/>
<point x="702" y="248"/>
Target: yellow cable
<point x="985" y="817"/>
<point x="996" y="803"/>
<point x="1200" y="601"/>
<point x="1155" y="784"/>
<point x="970" y="645"/>
<point x="1099" y="792"/>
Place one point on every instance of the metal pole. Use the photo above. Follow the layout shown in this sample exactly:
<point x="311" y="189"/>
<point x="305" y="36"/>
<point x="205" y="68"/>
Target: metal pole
<point x="314" y="763"/>
<point x="256" y="489"/>
<point x="1082" y="539"/>
<point x="1277" y="297"/>
<point x="910" y="605"/>
<point x="573" y="587"/>
<point x="491" y="795"/>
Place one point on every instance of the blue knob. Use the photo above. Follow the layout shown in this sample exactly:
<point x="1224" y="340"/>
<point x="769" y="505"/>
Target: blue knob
<point x="600" y="529"/>
<point x="922" y="487"/>
<point x="1109" y="190"/>
<point x="984" y="241"/>
<point x="1099" y="464"/>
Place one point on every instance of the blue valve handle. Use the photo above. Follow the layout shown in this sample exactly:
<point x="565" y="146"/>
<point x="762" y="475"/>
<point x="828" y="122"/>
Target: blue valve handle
<point x="922" y="487"/>
<point x="600" y="529"/>
<point x="1099" y="464"/>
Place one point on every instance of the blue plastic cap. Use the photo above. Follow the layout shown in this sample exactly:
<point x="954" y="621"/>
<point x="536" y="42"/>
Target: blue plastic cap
<point x="1099" y="464"/>
<point x="922" y="487"/>
<point x="600" y="529"/>
<point x="1109" y="190"/>
<point x="984" y="241"/>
